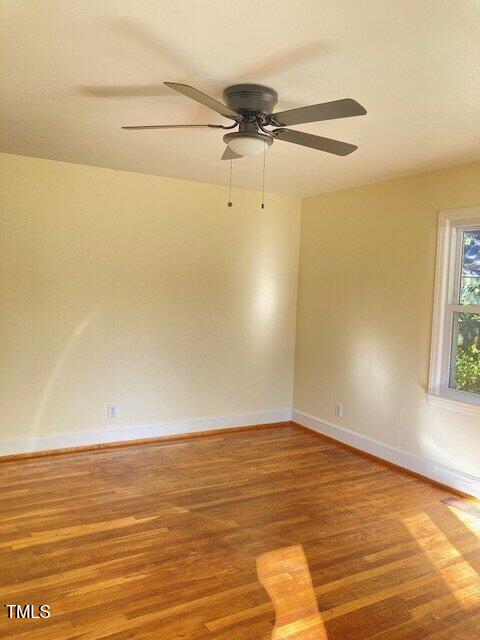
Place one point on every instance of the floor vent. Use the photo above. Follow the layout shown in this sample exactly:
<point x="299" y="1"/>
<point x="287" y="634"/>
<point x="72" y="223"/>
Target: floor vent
<point x="463" y="505"/>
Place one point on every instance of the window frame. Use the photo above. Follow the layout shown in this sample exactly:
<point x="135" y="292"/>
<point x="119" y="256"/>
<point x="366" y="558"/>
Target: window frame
<point x="452" y="223"/>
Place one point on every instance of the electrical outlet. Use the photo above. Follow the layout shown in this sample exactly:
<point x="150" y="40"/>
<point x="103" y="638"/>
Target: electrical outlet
<point x="338" y="410"/>
<point x="112" y="411"/>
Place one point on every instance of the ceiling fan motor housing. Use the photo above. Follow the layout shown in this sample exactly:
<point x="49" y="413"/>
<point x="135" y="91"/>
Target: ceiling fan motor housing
<point x="250" y="98"/>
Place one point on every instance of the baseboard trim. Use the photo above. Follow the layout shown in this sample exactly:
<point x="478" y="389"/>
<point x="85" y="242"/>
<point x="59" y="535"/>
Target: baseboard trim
<point x="440" y="475"/>
<point x="34" y="446"/>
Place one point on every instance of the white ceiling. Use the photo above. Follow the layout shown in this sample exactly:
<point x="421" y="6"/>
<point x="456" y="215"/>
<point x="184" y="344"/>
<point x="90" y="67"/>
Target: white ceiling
<point x="73" y="72"/>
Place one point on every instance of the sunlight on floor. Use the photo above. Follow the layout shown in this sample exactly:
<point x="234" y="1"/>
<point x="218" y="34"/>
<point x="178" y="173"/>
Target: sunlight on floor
<point x="460" y="577"/>
<point x="285" y="575"/>
<point x="470" y="521"/>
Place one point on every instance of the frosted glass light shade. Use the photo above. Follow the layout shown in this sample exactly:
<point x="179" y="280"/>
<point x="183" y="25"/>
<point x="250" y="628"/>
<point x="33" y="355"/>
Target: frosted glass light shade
<point x="247" y="145"/>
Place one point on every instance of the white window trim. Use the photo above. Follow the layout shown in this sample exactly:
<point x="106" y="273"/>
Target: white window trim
<point x="447" y="267"/>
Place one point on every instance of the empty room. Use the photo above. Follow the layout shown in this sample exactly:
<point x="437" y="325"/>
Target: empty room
<point x="240" y="320"/>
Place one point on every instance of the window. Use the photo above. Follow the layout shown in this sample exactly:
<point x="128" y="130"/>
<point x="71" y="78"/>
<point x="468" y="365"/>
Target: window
<point x="455" y="361"/>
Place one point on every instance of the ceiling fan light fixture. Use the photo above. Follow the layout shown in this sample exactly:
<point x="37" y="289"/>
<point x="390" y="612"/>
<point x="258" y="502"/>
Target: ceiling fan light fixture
<point x="247" y="145"/>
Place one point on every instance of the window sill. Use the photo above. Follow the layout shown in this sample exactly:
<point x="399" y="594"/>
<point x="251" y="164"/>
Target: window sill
<point x="459" y="401"/>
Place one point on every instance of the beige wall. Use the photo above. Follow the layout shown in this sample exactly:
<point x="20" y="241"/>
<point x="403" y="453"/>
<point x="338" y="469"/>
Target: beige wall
<point x="143" y="291"/>
<point x="366" y="283"/>
<point x="151" y="293"/>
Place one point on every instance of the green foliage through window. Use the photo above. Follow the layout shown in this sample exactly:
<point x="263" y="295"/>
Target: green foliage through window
<point x="466" y="369"/>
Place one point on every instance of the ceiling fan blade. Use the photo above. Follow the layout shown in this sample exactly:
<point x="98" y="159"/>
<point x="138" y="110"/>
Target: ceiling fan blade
<point x="125" y="91"/>
<point x="316" y="112"/>
<point x="209" y="102"/>
<point x="315" y="142"/>
<point x="174" y="126"/>
<point x="228" y="154"/>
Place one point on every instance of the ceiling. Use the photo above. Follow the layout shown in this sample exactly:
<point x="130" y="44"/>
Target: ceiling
<point x="73" y="72"/>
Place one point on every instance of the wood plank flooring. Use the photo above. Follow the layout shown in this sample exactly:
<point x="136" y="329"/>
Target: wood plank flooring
<point x="162" y="541"/>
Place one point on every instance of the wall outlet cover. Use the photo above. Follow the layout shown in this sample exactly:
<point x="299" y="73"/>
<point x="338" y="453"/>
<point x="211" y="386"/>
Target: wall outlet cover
<point x="112" y="411"/>
<point x="338" y="410"/>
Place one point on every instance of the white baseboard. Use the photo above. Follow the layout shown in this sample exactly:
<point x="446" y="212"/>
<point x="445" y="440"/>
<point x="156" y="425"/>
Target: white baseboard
<point x="445" y="475"/>
<point x="34" y="443"/>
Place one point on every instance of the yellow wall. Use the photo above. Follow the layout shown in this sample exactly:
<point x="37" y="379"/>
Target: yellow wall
<point x="151" y="293"/>
<point x="366" y="284"/>
<point x="144" y="291"/>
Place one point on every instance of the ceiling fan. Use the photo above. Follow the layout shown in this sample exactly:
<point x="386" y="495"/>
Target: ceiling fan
<point x="251" y="106"/>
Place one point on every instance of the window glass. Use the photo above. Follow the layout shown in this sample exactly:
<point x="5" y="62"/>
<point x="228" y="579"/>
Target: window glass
<point x="465" y="360"/>
<point x="470" y="275"/>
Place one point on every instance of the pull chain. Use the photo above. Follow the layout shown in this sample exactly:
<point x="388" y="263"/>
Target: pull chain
<point x="263" y="176"/>
<point x="230" y="203"/>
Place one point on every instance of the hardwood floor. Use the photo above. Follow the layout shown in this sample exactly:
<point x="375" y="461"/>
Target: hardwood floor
<point x="162" y="541"/>
<point x="285" y="575"/>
